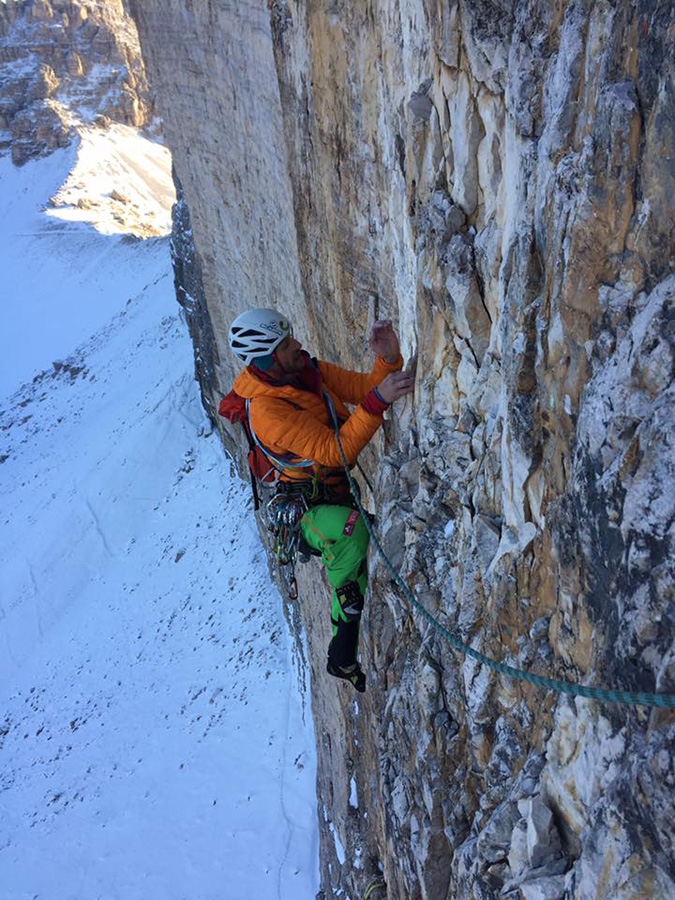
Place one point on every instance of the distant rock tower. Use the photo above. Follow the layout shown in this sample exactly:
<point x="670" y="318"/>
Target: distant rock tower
<point x="64" y="63"/>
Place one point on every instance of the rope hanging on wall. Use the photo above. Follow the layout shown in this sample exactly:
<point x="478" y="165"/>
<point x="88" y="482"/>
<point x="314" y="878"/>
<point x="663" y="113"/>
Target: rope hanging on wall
<point x="607" y="695"/>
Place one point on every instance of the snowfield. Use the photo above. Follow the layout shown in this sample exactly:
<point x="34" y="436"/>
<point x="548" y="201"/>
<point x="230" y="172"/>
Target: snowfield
<point x="155" y="739"/>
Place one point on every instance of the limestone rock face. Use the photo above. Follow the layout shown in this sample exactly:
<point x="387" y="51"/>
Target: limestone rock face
<point x="498" y="178"/>
<point x="64" y="63"/>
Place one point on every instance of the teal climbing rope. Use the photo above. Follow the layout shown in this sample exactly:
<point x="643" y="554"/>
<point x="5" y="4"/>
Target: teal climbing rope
<point x="607" y="695"/>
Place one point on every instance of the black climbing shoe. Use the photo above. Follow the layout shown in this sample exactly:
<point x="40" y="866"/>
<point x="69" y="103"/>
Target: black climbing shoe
<point x="353" y="674"/>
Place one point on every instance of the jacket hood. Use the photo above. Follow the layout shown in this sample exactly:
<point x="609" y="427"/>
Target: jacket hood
<point x="249" y="384"/>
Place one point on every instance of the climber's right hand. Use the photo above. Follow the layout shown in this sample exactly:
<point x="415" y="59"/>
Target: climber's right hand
<point x="395" y="385"/>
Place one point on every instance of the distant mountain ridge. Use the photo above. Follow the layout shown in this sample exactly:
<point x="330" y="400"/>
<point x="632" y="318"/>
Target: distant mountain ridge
<point x="65" y="63"/>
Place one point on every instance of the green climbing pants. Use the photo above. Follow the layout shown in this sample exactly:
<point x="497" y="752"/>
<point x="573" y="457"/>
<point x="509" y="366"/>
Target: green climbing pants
<point x="340" y="535"/>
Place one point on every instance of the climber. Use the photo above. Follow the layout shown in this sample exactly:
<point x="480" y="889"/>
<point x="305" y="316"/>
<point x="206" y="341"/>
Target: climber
<point x="295" y="403"/>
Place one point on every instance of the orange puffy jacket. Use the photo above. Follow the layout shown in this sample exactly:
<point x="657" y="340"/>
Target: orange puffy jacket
<point x="292" y="420"/>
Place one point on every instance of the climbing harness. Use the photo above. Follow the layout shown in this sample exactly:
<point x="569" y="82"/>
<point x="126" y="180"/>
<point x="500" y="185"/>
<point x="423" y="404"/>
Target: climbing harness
<point x="291" y="501"/>
<point x="607" y="695"/>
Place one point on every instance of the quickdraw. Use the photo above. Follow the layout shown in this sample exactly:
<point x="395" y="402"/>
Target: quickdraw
<point x="284" y="512"/>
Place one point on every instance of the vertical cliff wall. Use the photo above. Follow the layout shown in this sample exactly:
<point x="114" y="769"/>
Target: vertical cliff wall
<point x="497" y="177"/>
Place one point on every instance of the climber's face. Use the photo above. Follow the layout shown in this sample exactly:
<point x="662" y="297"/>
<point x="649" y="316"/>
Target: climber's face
<point x="288" y="355"/>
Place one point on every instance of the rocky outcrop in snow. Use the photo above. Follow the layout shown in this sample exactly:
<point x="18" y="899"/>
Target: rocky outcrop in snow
<point x="64" y="63"/>
<point x="498" y="178"/>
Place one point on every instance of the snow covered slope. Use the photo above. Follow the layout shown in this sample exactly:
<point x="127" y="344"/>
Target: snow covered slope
<point x="153" y="738"/>
<point x="68" y="254"/>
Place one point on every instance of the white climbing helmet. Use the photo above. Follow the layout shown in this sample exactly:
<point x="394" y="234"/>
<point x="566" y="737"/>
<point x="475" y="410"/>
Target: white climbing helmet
<point x="257" y="333"/>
